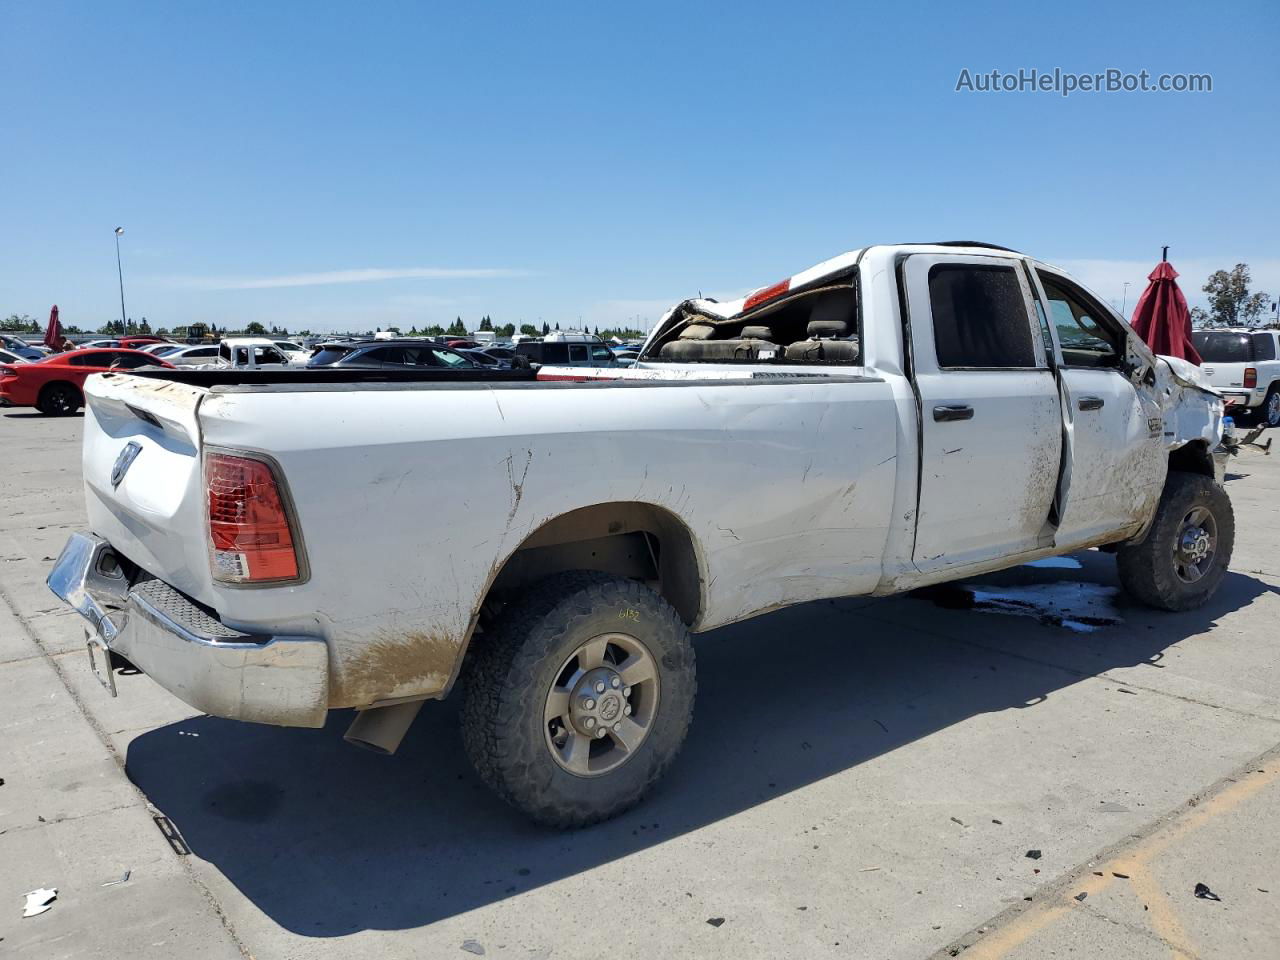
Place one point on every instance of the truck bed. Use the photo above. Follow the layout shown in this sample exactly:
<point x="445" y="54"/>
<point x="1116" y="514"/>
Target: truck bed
<point x="330" y="375"/>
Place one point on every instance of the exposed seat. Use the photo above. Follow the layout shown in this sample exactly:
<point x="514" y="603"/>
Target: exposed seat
<point x="832" y="351"/>
<point x="757" y="332"/>
<point x="704" y="350"/>
<point x="698" y="331"/>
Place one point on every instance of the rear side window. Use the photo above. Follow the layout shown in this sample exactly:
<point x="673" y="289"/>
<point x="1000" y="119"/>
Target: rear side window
<point x="979" y="317"/>
<point x="100" y="359"/>
<point x="1264" y="346"/>
<point x="128" y="361"/>
<point x="327" y="356"/>
<point x="1223" y="347"/>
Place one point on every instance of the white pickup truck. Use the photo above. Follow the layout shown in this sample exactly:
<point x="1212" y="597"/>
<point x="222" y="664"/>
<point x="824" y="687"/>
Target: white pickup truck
<point x="262" y="545"/>
<point x="1245" y="365"/>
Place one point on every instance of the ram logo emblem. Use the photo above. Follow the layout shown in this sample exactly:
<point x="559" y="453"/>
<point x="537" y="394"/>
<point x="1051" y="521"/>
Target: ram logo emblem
<point x="124" y="462"/>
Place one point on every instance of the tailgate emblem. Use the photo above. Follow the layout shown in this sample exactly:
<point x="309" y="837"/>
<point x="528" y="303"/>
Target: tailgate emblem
<point x="124" y="462"/>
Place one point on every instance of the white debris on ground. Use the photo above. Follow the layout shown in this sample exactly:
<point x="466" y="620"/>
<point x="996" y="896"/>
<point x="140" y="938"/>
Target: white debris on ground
<point x="1082" y="607"/>
<point x="1058" y="563"/>
<point x="38" y="901"/>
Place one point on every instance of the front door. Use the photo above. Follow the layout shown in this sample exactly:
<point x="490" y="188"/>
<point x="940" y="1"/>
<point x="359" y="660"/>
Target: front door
<point x="991" y="429"/>
<point x="1116" y="455"/>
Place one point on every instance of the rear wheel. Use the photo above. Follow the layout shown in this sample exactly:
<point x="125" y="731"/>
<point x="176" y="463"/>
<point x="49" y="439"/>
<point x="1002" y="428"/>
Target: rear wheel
<point x="1270" y="410"/>
<point x="59" y="400"/>
<point x="1185" y="555"/>
<point x="579" y="698"/>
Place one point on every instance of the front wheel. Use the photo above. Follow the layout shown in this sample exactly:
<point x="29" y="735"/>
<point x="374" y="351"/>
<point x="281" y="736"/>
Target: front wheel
<point x="1185" y="555"/>
<point x="579" y="698"/>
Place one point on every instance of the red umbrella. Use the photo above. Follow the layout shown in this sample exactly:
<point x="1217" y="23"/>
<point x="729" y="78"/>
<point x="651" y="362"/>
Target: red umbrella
<point x="53" y="336"/>
<point x="1161" y="317"/>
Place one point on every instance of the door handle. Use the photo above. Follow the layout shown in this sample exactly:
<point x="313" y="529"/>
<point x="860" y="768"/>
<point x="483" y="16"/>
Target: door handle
<point x="1090" y="403"/>
<point x="952" y="412"/>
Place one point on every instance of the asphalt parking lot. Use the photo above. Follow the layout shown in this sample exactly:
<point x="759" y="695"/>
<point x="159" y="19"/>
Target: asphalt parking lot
<point x="864" y="778"/>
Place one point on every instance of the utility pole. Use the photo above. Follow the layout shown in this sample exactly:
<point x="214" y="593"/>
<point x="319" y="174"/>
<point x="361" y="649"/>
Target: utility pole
<point x="120" y="275"/>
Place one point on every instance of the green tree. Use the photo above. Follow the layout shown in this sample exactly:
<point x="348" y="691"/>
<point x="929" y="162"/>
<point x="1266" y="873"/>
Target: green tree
<point x="255" y="329"/>
<point x="458" y="328"/>
<point x="486" y="323"/>
<point x="435" y="330"/>
<point x="528" y="329"/>
<point x="546" y="328"/>
<point x="16" y="324"/>
<point x="1230" y="302"/>
<point x="144" y="327"/>
<point x="506" y="331"/>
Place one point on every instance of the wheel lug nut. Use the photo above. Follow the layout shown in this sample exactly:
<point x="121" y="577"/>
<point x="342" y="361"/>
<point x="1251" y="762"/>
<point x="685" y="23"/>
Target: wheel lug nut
<point x="626" y="711"/>
<point x="615" y="683"/>
<point x="588" y="704"/>
<point x="589" y="722"/>
<point x="599" y="688"/>
<point x="626" y="691"/>
<point x="617" y="726"/>
<point x="601" y="732"/>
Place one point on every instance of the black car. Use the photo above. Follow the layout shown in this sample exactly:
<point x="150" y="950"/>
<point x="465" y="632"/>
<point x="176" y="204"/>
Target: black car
<point x="405" y="354"/>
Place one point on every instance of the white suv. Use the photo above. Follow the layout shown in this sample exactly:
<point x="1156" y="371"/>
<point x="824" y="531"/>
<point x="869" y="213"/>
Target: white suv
<point x="1243" y="364"/>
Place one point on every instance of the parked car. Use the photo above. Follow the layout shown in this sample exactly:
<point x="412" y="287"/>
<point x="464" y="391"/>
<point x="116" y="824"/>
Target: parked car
<point x="7" y="356"/>
<point x="194" y="355"/>
<point x="1245" y="365"/>
<point x="895" y="417"/>
<point x="139" y="341"/>
<point x="295" y="352"/>
<point x="107" y="344"/>
<point x="396" y="354"/>
<point x="561" y="353"/>
<point x="55" y="385"/>
<point x="162" y="348"/>
<point x="20" y="347"/>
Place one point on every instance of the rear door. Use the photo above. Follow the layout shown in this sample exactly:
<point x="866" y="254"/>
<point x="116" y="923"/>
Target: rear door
<point x="990" y="424"/>
<point x="1116" y="457"/>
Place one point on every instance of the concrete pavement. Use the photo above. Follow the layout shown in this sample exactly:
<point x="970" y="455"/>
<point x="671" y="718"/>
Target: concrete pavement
<point x="864" y="778"/>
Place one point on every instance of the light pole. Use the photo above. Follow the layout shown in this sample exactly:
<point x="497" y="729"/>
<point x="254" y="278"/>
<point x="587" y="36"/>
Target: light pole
<point x="120" y="275"/>
<point x="1125" y="302"/>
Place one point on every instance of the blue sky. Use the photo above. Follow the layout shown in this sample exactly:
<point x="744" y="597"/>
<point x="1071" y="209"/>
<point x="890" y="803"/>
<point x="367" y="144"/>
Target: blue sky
<point x="338" y="166"/>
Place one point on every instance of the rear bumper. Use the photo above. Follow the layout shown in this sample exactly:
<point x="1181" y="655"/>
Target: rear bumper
<point x="281" y="680"/>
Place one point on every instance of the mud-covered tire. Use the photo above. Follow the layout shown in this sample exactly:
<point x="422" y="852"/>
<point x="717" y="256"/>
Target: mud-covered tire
<point x="521" y="657"/>
<point x="1150" y="570"/>
<point x="59" y="400"/>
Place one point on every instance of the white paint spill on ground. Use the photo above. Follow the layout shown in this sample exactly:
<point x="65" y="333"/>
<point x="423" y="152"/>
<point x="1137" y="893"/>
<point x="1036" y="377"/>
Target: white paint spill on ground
<point x="1082" y="607"/>
<point x="1060" y="563"/>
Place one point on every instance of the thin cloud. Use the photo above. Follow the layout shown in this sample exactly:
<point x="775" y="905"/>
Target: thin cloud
<point x="329" y="277"/>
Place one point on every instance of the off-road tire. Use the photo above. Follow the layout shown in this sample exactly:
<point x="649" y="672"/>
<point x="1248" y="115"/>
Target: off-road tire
<point x="503" y="726"/>
<point x="1147" y="569"/>
<point x="59" y="400"/>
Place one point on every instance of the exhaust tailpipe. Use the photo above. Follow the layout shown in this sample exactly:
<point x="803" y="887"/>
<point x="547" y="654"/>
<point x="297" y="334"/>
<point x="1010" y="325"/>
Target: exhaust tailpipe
<point x="381" y="729"/>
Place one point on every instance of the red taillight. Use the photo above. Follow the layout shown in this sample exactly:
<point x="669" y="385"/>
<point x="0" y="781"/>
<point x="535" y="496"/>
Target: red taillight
<point x="1250" y="377"/>
<point x="249" y="536"/>
<point x="768" y="293"/>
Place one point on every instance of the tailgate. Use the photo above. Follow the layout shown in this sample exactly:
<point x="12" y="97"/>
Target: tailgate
<point x="142" y="476"/>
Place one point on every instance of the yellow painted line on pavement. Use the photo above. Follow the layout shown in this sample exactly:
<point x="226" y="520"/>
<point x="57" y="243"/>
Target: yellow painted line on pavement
<point x="1135" y="863"/>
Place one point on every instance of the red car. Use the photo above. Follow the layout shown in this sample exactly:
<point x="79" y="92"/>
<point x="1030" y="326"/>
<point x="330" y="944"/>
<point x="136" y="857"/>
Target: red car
<point x="55" y="385"/>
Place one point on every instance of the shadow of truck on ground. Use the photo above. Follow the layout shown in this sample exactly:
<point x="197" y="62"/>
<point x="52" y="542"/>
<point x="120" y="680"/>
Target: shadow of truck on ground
<point x="327" y="840"/>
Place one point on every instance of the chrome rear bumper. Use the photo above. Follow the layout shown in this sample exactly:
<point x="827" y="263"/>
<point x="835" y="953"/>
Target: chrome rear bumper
<point x="281" y="680"/>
